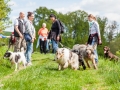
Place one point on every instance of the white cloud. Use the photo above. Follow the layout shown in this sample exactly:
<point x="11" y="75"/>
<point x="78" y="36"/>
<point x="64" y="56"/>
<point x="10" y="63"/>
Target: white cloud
<point x="12" y="3"/>
<point x="31" y="4"/>
<point x="104" y="8"/>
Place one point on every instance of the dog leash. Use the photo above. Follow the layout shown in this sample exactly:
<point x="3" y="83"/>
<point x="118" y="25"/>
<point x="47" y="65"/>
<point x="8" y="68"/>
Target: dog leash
<point x="63" y="46"/>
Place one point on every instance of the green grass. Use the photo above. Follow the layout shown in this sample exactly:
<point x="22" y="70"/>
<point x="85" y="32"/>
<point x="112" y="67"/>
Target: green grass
<point x="43" y="75"/>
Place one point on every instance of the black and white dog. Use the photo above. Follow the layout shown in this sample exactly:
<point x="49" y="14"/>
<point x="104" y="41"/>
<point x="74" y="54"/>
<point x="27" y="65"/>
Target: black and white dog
<point x="16" y="58"/>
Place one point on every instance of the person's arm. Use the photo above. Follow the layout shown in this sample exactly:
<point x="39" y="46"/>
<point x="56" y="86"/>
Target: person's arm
<point x="39" y="32"/>
<point x="58" y="36"/>
<point x="28" y="28"/>
<point x="98" y="31"/>
<point x="16" y="28"/>
<point x="59" y="31"/>
<point x="34" y="34"/>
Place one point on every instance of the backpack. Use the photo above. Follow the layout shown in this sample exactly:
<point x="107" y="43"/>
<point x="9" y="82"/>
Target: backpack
<point x="62" y="26"/>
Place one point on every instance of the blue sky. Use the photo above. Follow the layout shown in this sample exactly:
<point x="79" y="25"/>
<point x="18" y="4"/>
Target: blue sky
<point x="103" y="8"/>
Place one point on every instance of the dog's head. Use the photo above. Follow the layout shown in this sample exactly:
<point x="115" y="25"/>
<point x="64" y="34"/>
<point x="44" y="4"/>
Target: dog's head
<point x="106" y="49"/>
<point x="59" y="53"/>
<point x="7" y="54"/>
<point x="89" y="50"/>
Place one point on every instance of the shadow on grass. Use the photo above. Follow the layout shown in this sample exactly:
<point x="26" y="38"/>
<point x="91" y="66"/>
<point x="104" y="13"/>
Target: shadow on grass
<point x="52" y="69"/>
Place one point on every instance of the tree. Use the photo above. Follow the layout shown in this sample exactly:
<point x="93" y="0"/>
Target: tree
<point x="76" y="26"/>
<point x="4" y="12"/>
<point x="111" y="31"/>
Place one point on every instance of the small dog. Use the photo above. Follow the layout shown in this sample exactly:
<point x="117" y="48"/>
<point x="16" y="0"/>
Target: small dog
<point x="65" y="58"/>
<point x="16" y="58"/>
<point x="87" y="52"/>
<point x="108" y="54"/>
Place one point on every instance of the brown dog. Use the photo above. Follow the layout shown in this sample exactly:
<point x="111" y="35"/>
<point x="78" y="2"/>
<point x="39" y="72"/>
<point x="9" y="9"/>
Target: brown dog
<point x="108" y="54"/>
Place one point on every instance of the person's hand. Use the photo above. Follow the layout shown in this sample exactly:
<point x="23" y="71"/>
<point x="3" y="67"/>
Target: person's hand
<point x="21" y="36"/>
<point x="0" y="37"/>
<point x="58" y="38"/>
<point x="100" y="42"/>
<point x="32" y="40"/>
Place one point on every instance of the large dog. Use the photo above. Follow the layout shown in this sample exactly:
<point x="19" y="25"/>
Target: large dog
<point x="77" y="51"/>
<point x="65" y="58"/>
<point x="16" y="58"/>
<point x="87" y="52"/>
<point x="108" y="54"/>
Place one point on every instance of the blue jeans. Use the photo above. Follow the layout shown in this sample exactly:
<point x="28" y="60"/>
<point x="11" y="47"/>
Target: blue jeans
<point x="95" y="51"/>
<point x="54" y="45"/>
<point x="28" y="52"/>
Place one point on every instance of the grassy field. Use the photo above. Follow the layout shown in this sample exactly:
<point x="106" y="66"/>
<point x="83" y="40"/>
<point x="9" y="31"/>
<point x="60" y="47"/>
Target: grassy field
<point x="43" y="75"/>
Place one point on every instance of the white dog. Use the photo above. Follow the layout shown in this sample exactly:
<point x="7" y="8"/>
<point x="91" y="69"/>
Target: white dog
<point x="16" y="58"/>
<point x="65" y="58"/>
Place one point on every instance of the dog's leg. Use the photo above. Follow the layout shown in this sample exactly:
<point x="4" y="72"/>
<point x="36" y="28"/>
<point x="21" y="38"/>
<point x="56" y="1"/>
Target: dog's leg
<point x="87" y="63"/>
<point x="65" y="65"/>
<point x="59" y="67"/>
<point x="81" y="62"/>
<point x="94" y="64"/>
<point x="16" y="65"/>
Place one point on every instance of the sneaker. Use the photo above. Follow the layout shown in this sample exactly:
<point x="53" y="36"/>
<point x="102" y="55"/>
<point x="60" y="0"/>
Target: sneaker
<point x="29" y="64"/>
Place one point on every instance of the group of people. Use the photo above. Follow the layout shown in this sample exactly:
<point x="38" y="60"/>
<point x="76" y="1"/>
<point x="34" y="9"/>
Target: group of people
<point x="22" y="28"/>
<point x="25" y="35"/>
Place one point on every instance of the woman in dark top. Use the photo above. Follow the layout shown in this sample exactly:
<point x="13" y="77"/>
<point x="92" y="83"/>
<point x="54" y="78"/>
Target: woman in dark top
<point x="55" y="32"/>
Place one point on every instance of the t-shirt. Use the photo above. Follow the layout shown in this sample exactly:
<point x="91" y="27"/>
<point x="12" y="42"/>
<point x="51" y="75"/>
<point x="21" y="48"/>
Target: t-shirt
<point x="43" y="32"/>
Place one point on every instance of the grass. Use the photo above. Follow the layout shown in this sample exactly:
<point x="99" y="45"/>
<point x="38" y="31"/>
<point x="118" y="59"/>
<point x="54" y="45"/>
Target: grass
<point x="43" y="75"/>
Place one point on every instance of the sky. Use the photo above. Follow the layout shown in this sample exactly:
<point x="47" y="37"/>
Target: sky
<point x="102" y="8"/>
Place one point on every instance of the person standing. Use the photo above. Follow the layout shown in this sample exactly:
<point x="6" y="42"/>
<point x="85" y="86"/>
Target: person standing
<point x="94" y="34"/>
<point x="29" y="30"/>
<point x="43" y="34"/>
<point x="19" y="30"/>
<point x="55" y="32"/>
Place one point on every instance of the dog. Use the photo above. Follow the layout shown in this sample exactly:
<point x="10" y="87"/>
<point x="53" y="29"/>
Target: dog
<point x="65" y="58"/>
<point x="16" y="58"/>
<point x="81" y="61"/>
<point x="108" y="54"/>
<point x="87" y="52"/>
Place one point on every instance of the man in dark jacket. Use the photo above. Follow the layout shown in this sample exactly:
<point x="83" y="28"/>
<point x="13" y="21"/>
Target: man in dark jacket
<point x="55" y="32"/>
<point x="19" y="30"/>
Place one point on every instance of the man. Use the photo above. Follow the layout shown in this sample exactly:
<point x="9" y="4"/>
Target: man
<point x="19" y="30"/>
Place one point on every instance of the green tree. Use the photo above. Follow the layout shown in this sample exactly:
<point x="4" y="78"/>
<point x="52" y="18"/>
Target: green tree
<point x="4" y="12"/>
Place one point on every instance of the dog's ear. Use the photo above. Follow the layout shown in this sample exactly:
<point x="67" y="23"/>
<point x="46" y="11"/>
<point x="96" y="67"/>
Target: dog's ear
<point x="16" y="58"/>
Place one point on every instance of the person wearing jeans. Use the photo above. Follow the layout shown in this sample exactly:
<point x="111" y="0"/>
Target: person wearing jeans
<point x="55" y="32"/>
<point x="29" y="29"/>
<point x="94" y="34"/>
<point x="29" y="51"/>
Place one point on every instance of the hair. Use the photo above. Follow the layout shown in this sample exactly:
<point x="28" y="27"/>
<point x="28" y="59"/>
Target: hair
<point x="93" y="17"/>
<point x="52" y="15"/>
<point x="44" y="24"/>
<point x="29" y="14"/>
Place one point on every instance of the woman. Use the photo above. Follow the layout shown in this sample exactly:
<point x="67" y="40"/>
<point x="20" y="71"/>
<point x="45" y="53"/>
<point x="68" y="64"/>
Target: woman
<point x="94" y="34"/>
<point x="29" y="29"/>
<point x="55" y="32"/>
<point x="43" y="34"/>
